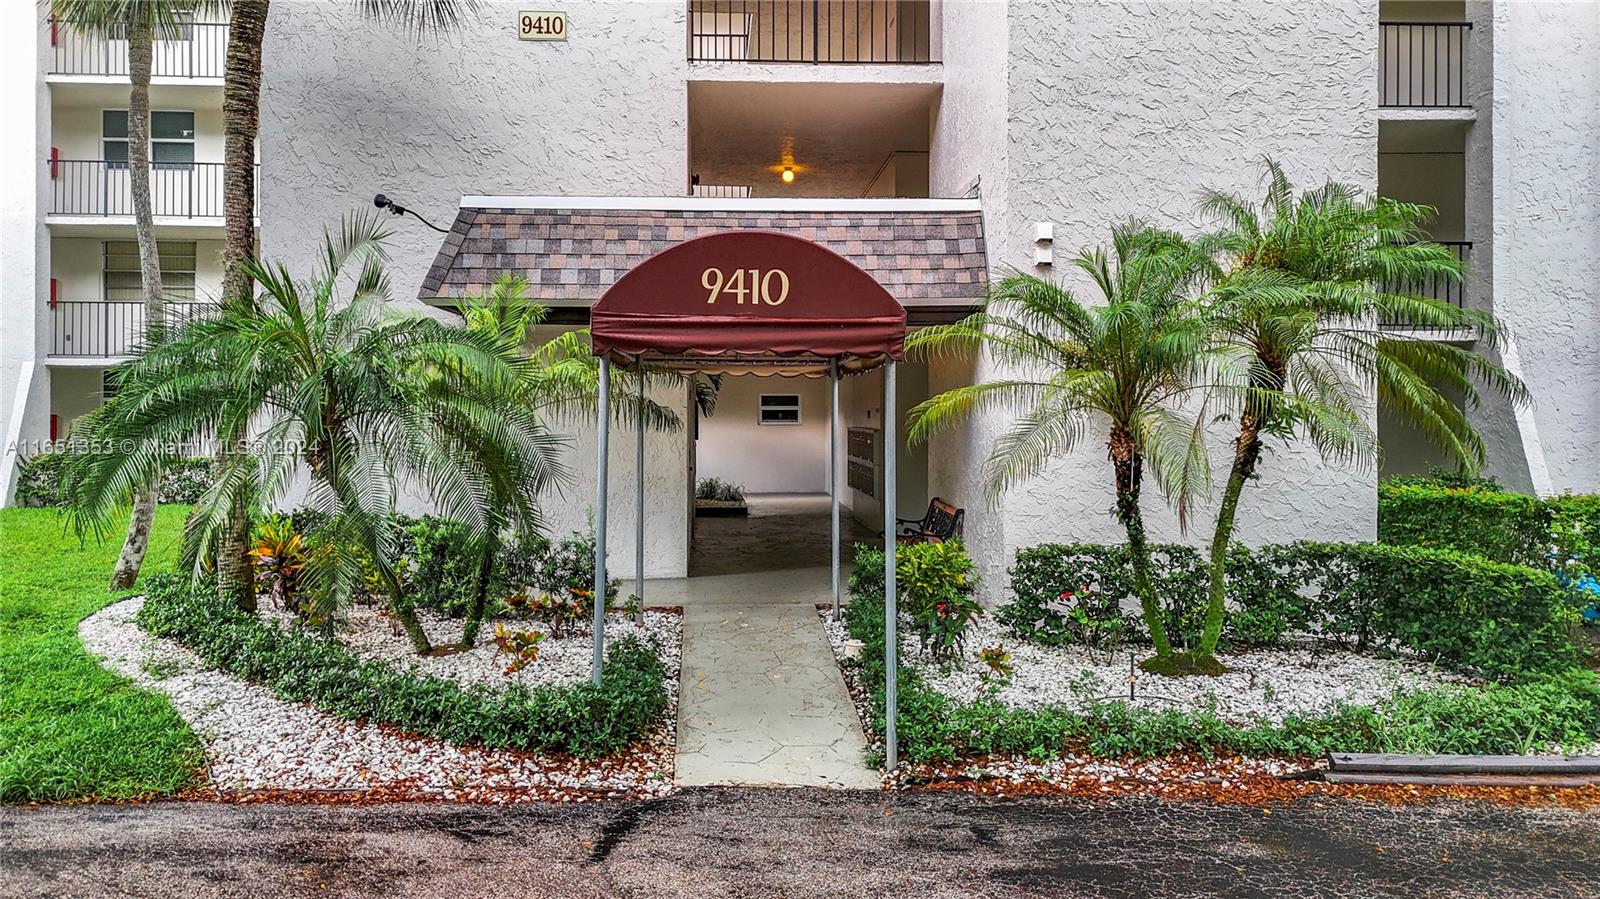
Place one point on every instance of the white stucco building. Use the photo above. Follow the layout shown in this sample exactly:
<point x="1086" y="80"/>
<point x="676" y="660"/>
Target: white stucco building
<point x="1074" y="114"/>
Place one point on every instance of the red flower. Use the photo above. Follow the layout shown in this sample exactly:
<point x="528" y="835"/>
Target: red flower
<point x="1066" y="594"/>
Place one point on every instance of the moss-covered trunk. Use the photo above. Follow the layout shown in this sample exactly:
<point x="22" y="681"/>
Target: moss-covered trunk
<point x="1246" y="453"/>
<point x="1127" y="463"/>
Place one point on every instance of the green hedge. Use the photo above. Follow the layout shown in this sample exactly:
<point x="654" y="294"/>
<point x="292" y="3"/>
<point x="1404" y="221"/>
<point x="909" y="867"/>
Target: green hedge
<point x="1505" y="527"/>
<point x="1505" y="621"/>
<point x="1484" y="520"/>
<point x="1560" y="710"/>
<point x="183" y="480"/>
<point x="585" y="719"/>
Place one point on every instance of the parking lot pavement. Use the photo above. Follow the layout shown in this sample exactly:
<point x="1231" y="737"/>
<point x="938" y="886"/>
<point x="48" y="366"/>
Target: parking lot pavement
<point x="800" y="843"/>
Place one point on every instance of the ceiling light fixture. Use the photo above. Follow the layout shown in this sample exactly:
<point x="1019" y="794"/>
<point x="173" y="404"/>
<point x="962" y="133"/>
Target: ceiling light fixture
<point x="788" y="175"/>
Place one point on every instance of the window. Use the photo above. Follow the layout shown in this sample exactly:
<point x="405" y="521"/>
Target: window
<point x="171" y="139"/>
<point x="779" y="409"/>
<point x="121" y="270"/>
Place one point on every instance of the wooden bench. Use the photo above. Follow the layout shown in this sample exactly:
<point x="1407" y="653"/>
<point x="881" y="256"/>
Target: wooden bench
<point x="941" y="522"/>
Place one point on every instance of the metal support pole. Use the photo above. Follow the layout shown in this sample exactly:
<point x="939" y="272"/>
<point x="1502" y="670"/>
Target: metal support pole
<point x="833" y="478"/>
<point x="638" y="507"/>
<point x="602" y="437"/>
<point x="891" y="612"/>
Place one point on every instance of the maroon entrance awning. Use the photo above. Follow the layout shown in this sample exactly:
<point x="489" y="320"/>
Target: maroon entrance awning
<point x="744" y="296"/>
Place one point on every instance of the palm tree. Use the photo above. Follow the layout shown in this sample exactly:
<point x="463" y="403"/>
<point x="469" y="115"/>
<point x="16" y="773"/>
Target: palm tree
<point x="1310" y="278"/>
<point x="355" y="399"/>
<point x="561" y="380"/>
<point x="1127" y="360"/>
<point x="241" y="124"/>
<point x="139" y="21"/>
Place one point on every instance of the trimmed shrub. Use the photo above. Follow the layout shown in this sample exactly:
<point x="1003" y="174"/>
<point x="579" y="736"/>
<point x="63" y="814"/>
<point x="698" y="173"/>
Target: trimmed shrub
<point x="585" y="719"/>
<point x="1505" y="527"/>
<point x="183" y="479"/>
<point x="443" y="574"/>
<point x="1084" y="593"/>
<point x="1562" y="711"/>
<point x="39" y="480"/>
<point x="1474" y="614"/>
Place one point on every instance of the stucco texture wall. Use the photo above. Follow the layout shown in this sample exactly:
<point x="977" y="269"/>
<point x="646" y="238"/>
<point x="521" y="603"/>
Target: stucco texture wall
<point x="1129" y="108"/>
<point x="1547" y="221"/>
<point x="351" y="108"/>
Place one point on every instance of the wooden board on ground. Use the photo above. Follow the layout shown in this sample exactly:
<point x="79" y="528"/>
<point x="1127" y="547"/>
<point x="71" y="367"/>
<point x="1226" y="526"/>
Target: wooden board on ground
<point x="1389" y="763"/>
<point x="1463" y="780"/>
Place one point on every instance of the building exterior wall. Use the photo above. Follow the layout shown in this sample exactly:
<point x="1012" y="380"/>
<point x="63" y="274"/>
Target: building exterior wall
<point x="479" y="112"/>
<point x="1119" y="109"/>
<point x="473" y="112"/>
<point x="24" y="244"/>
<point x="1546" y="237"/>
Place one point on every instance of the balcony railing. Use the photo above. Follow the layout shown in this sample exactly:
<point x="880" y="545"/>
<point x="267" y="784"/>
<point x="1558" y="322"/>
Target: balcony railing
<point x="815" y="31"/>
<point x="1423" y="64"/>
<point x="1444" y="290"/>
<point x="192" y="50"/>
<point x="112" y="328"/>
<point x="97" y="187"/>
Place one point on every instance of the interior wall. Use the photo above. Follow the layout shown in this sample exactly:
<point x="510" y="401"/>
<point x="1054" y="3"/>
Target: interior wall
<point x="862" y="402"/>
<point x="74" y="392"/>
<point x="766" y="458"/>
<point x="1437" y="179"/>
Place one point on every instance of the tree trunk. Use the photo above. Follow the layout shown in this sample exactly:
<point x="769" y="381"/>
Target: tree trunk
<point x="1128" y="464"/>
<point x="141" y="49"/>
<point x="480" y="598"/>
<point x="236" y="575"/>
<point x="1246" y="453"/>
<point x="241" y="123"/>
<point x="138" y="538"/>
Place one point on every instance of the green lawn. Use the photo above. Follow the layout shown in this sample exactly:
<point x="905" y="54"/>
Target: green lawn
<point x="69" y="728"/>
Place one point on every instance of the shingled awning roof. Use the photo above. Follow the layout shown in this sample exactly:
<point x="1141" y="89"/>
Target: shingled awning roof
<point x="929" y="254"/>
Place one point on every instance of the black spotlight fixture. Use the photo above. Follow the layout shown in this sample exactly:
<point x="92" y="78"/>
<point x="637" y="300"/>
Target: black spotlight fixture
<point x="383" y="202"/>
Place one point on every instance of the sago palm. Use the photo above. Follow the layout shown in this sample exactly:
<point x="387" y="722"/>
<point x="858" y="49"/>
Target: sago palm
<point x="560" y="380"/>
<point x="1311" y="277"/>
<point x="241" y="123"/>
<point x="1124" y="362"/>
<point x="341" y="392"/>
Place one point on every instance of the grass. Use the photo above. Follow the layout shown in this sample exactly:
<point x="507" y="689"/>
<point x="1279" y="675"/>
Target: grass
<point x="69" y="728"/>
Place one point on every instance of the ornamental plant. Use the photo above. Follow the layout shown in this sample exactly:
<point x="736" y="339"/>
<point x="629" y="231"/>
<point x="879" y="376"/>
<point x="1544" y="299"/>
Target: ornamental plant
<point x="942" y="626"/>
<point x="521" y="646"/>
<point x="280" y="556"/>
<point x="1310" y="280"/>
<point x="1118" y="361"/>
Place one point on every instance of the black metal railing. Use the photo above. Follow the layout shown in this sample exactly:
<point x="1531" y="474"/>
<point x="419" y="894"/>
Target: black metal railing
<point x="191" y="50"/>
<point x="816" y="31"/>
<point x="111" y="328"/>
<point x="1445" y="290"/>
<point x="1423" y="64"/>
<point x="98" y="187"/>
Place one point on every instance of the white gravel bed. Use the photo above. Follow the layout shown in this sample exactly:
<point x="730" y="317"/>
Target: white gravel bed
<point x="256" y="741"/>
<point x="1263" y="686"/>
<point x="567" y="660"/>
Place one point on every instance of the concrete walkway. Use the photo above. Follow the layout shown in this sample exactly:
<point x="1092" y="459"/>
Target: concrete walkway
<point x="761" y="700"/>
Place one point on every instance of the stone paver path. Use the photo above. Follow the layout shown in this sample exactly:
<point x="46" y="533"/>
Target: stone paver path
<point x="762" y="701"/>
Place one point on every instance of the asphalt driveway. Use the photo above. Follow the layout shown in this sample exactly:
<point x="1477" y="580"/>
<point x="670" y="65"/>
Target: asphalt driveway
<point x="800" y="843"/>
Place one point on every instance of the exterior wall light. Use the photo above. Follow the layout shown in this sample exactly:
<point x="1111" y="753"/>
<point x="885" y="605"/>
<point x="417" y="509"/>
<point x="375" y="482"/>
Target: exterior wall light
<point x="788" y="175"/>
